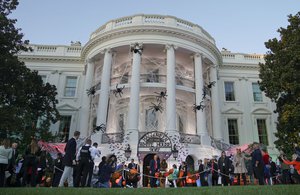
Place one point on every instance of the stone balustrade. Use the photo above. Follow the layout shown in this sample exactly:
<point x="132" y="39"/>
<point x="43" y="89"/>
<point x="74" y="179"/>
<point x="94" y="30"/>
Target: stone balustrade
<point x="229" y="57"/>
<point x="52" y="50"/>
<point x="153" y="20"/>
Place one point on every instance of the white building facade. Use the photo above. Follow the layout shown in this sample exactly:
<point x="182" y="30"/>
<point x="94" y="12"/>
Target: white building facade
<point x="153" y="82"/>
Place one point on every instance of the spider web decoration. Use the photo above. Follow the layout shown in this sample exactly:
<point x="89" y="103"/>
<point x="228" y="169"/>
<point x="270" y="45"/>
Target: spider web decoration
<point x="115" y="147"/>
<point x="182" y="148"/>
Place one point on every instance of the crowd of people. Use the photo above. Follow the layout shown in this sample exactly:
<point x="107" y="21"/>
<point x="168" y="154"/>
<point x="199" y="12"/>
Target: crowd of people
<point x="76" y="168"/>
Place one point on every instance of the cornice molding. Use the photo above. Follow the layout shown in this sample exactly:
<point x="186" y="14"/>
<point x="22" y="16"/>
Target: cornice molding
<point x="51" y="59"/>
<point x="241" y="66"/>
<point x="153" y="30"/>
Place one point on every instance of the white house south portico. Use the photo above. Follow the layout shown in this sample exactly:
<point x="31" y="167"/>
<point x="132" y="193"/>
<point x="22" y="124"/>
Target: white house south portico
<point x="156" y="81"/>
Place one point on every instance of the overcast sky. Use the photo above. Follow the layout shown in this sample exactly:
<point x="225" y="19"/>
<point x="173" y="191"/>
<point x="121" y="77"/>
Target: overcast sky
<point x="237" y="25"/>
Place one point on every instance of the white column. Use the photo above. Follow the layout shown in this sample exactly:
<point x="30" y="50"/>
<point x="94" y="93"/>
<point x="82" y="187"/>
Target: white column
<point x="104" y="93"/>
<point x="133" y="113"/>
<point x="134" y="103"/>
<point x="200" y="114"/>
<point x="85" y="108"/>
<point x="216" y="111"/>
<point x="171" y="91"/>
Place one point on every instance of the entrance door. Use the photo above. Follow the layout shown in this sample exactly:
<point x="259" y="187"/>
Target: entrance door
<point x="146" y="169"/>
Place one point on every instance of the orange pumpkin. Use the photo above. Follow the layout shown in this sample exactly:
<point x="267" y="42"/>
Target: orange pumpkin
<point x="116" y="175"/>
<point x="133" y="171"/>
<point x="171" y="171"/>
<point x="157" y="174"/>
<point x="181" y="173"/>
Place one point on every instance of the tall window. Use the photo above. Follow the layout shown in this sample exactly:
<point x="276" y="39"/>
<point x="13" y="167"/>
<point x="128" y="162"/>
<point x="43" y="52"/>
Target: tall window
<point x="124" y="78"/>
<point x="180" y="124"/>
<point x="233" y="131"/>
<point x="121" y="122"/>
<point x="153" y="76"/>
<point x="64" y="127"/>
<point x="262" y="131"/>
<point x="151" y="120"/>
<point x="229" y="91"/>
<point x="70" y="88"/>
<point x="257" y="95"/>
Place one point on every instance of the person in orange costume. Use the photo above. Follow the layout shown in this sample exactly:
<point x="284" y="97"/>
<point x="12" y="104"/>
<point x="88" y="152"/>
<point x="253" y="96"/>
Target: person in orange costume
<point x="296" y="165"/>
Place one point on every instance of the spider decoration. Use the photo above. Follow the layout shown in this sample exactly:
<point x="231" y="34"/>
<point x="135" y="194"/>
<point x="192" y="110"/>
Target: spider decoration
<point x="161" y="95"/>
<point x="137" y="50"/>
<point x="156" y="108"/>
<point x="91" y="91"/>
<point x="101" y="128"/>
<point x="211" y="84"/>
<point x="199" y="107"/>
<point x="118" y="90"/>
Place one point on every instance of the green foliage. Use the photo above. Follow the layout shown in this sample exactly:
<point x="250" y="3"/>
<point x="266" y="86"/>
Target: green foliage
<point x="24" y="99"/>
<point x="280" y="80"/>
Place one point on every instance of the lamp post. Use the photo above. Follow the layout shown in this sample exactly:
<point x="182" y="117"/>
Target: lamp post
<point x="175" y="151"/>
<point x="128" y="152"/>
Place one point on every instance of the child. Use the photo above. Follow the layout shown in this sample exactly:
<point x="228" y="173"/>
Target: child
<point x="173" y="177"/>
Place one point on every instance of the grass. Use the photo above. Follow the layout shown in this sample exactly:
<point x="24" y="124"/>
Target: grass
<point x="240" y="190"/>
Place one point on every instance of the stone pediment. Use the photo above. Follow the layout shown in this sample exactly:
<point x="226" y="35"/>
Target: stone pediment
<point x="232" y="111"/>
<point x="66" y="107"/>
<point x="261" y="111"/>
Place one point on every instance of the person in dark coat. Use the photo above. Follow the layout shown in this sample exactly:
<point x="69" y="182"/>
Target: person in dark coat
<point x="84" y="157"/>
<point x="68" y="160"/>
<point x="224" y="166"/>
<point x="183" y="169"/>
<point x="32" y="154"/>
<point x="154" y="167"/>
<point x="213" y="166"/>
<point x="133" y="177"/>
<point x="105" y="170"/>
<point x="201" y="172"/>
<point x="57" y="170"/>
<point x="258" y="164"/>
<point x="11" y="181"/>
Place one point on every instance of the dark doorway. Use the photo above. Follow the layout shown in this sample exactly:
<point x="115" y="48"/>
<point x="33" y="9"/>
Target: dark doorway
<point x="146" y="169"/>
<point x="190" y="163"/>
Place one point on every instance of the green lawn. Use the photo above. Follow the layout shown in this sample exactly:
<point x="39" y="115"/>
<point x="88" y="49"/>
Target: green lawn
<point x="241" y="190"/>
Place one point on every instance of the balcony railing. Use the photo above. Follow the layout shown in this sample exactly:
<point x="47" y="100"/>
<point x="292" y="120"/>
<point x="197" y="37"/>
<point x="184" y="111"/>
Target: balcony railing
<point x="148" y="78"/>
<point x="108" y="138"/>
<point x="190" y="138"/>
<point x="153" y="20"/>
<point x="221" y="145"/>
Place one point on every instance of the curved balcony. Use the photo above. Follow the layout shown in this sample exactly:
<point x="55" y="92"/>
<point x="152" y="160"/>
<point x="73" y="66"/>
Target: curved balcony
<point x="153" y="20"/>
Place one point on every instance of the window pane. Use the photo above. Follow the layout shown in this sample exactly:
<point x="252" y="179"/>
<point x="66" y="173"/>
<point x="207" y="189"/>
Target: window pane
<point x="121" y="122"/>
<point x="233" y="131"/>
<point x="64" y="128"/>
<point x="262" y="131"/>
<point x="152" y="77"/>
<point x="70" y="88"/>
<point x="180" y="124"/>
<point x="229" y="91"/>
<point x="257" y="95"/>
<point x="151" y="120"/>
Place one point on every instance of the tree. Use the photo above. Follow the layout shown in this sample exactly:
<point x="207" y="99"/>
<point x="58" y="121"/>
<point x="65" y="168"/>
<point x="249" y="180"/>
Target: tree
<point x="24" y="99"/>
<point x="280" y="80"/>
